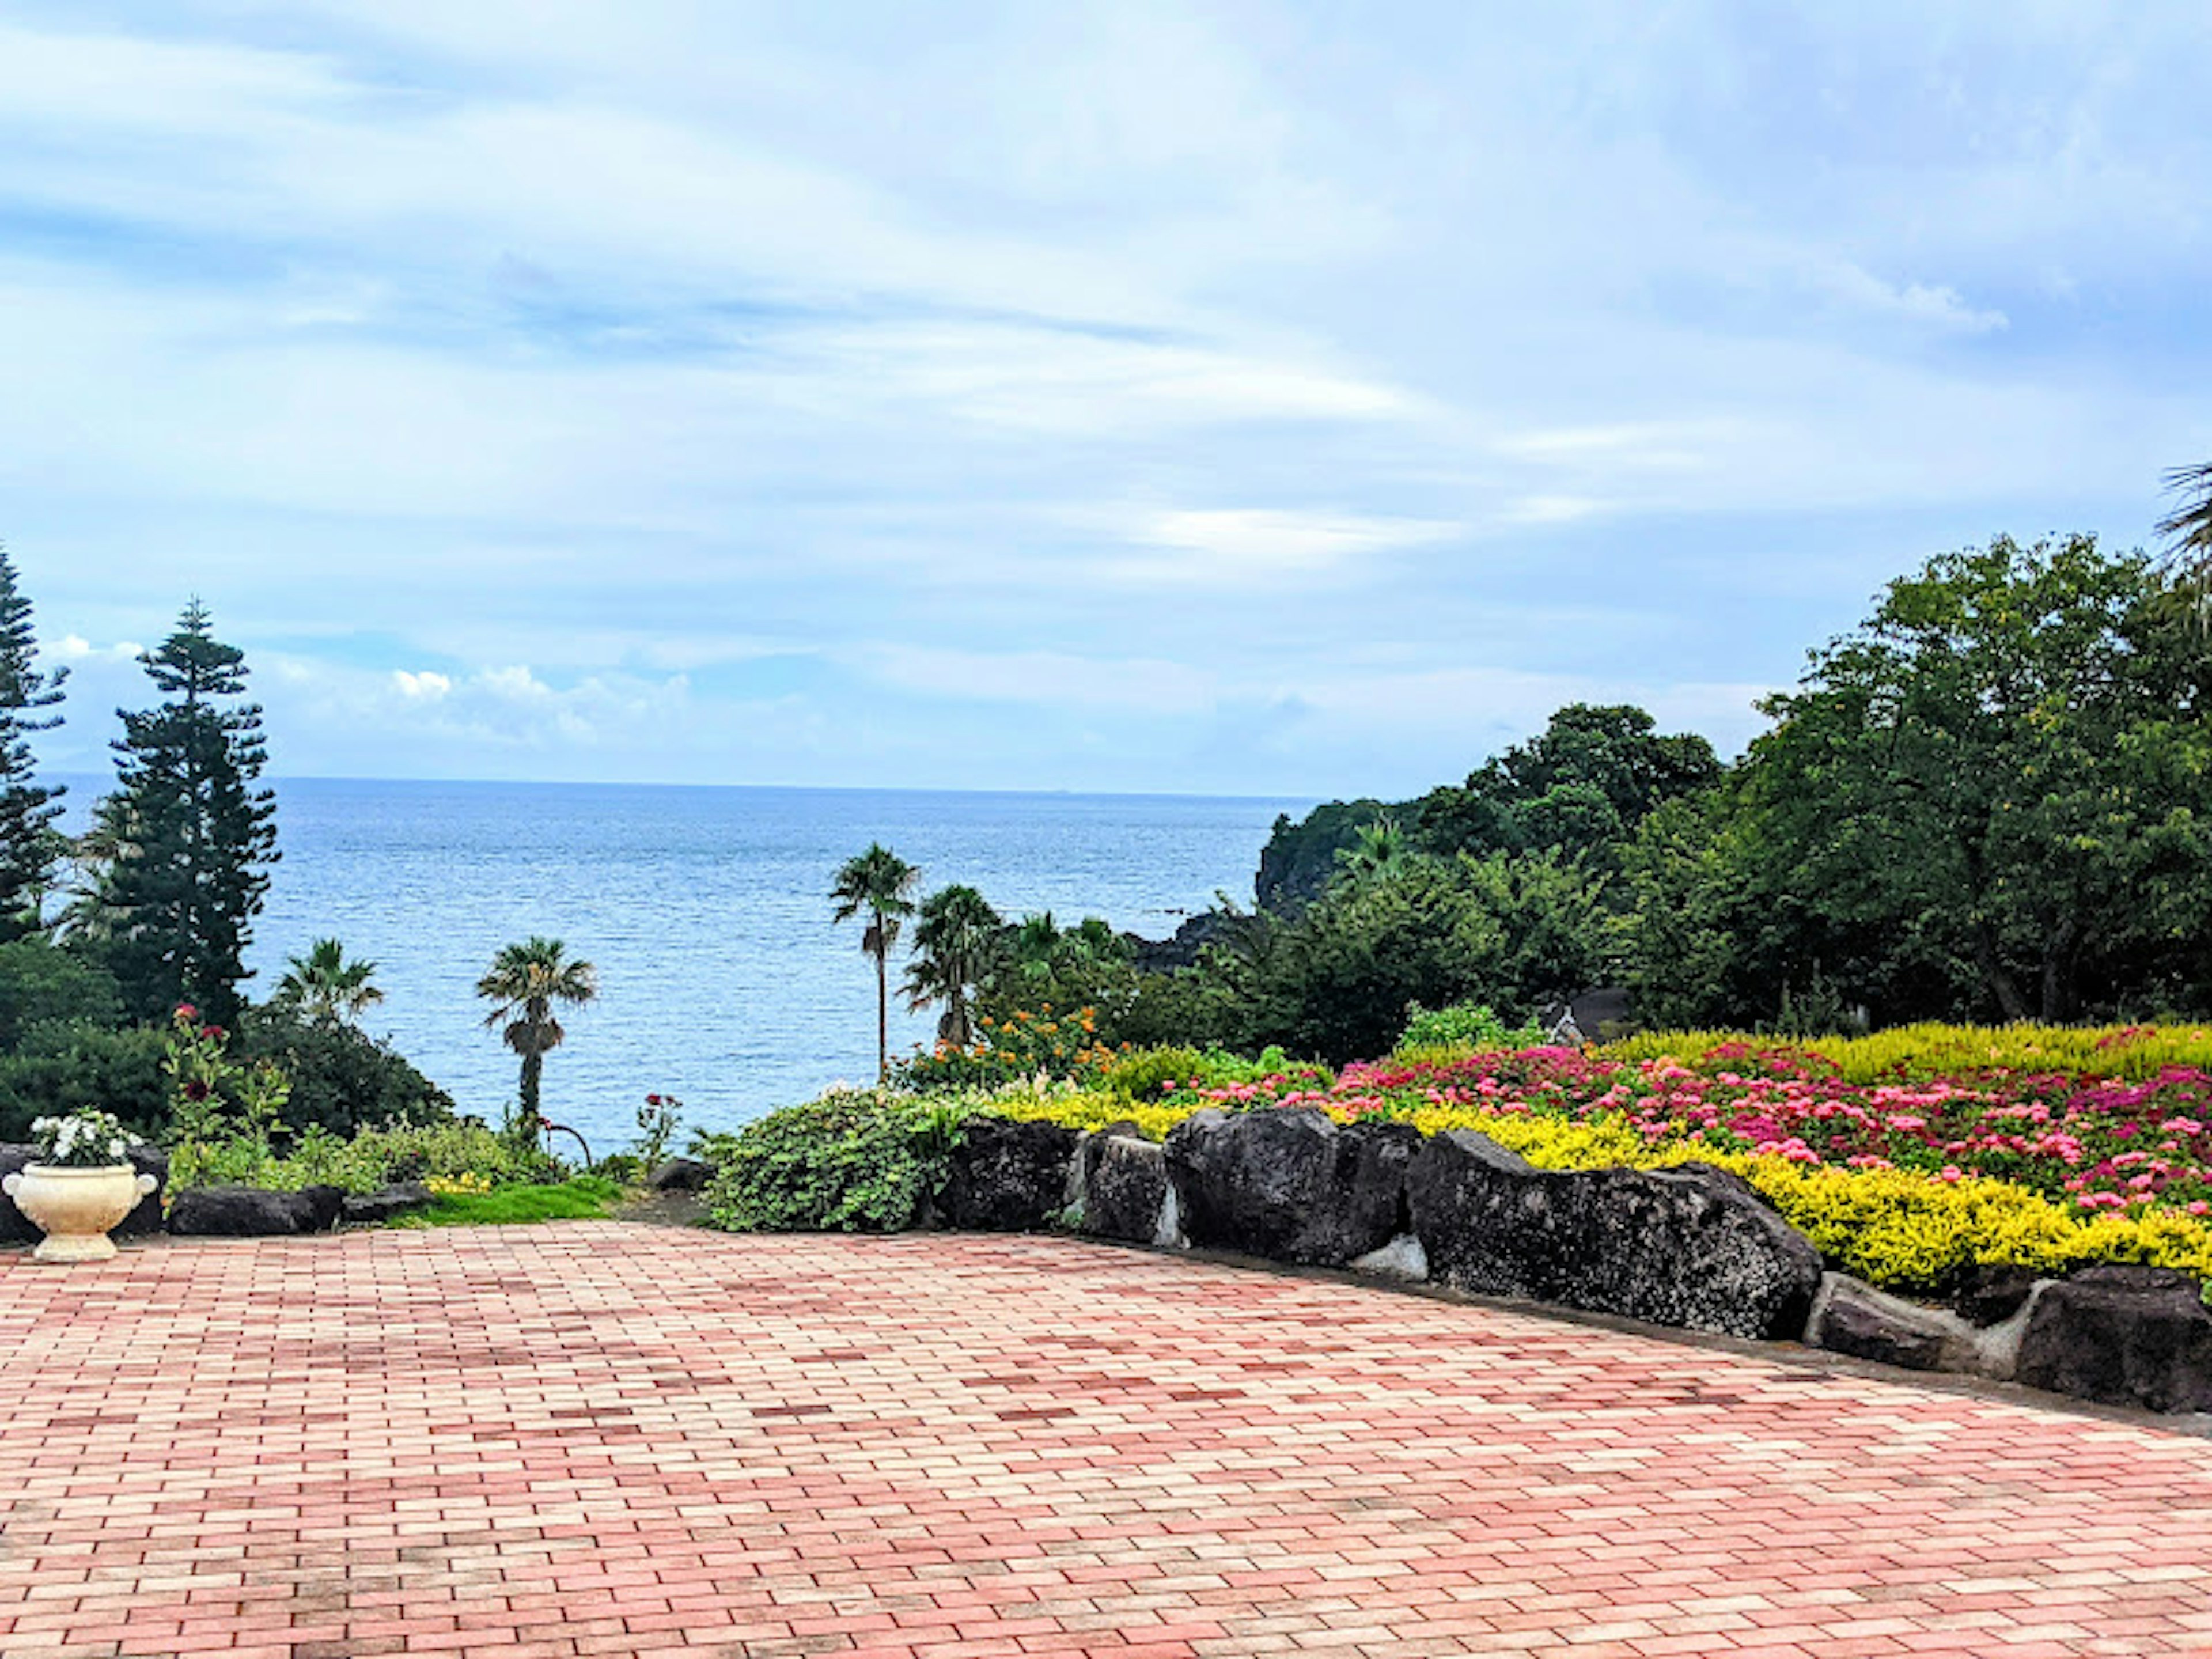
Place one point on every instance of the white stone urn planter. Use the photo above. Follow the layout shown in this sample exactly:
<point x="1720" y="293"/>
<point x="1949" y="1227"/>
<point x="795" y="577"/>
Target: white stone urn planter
<point x="75" y="1206"/>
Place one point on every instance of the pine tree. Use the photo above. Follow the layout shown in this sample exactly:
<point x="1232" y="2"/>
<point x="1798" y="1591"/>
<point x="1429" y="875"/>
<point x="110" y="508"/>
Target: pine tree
<point x="30" y="845"/>
<point x="188" y="838"/>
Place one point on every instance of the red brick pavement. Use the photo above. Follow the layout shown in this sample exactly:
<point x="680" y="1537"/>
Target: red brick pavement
<point x="596" y="1438"/>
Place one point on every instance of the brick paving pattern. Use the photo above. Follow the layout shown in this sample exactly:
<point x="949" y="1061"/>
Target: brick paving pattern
<point x="599" y="1438"/>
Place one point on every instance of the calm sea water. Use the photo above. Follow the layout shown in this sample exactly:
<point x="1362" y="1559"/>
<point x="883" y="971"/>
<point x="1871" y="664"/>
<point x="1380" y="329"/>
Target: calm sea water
<point x="722" y="979"/>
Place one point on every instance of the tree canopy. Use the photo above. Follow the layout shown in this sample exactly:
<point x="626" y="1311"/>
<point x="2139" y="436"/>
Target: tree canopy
<point x="186" y="842"/>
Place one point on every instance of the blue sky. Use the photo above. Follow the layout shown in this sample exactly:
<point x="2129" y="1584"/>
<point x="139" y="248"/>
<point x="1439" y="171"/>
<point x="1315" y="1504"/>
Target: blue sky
<point x="1240" y="397"/>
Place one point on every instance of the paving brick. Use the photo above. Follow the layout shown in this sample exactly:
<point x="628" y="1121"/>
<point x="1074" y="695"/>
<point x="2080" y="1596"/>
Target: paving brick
<point x="595" y="1438"/>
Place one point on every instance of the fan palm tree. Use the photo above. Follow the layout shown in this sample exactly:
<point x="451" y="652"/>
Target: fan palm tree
<point x="328" y="986"/>
<point x="954" y="945"/>
<point x="2188" y="528"/>
<point x="525" y="982"/>
<point x="1380" y="849"/>
<point x="880" y="883"/>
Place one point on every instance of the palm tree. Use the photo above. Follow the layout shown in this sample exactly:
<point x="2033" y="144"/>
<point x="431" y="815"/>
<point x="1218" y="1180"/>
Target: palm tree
<point x="880" y="882"/>
<point x="1034" y="944"/>
<point x="954" y="945"/>
<point x="327" y="986"/>
<point x="2189" y="526"/>
<point x="526" y="981"/>
<point x="1381" y="850"/>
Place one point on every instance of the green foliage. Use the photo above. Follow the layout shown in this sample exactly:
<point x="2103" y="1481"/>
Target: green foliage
<point x="30" y="845"/>
<point x="1024" y="1046"/>
<point x="1472" y="1026"/>
<point x="580" y="1198"/>
<point x="1148" y="1073"/>
<point x="1378" y="849"/>
<point x="223" y="1115"/>
<point x="660" y="1117"/>
<point x="879" y="885"/>
<point x="526" y="981"/>
<point x="82" y="1140"/>
<point x="1918" y="1053"/>
<point x="1300" y="859"/>
<point x="42" y="984"/>
<point x="1579" y="789"/>
<point x="181" y="851"/>
<point x="1043" y="966"/>
<point x="957" y="943"/>
<point x="2188" y="530"/>
<point x="62" y="1067"/>
<point x="327" y="985"/>
<point x="858" y="1161"/>
<point x="465" y="1151"/>
<point x="2002" y="783"/>
<point x="1340" y="981"/>
<point x="342" y="1079"/>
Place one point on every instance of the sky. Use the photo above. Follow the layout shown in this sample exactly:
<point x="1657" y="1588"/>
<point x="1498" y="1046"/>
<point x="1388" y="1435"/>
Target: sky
<point x="1247" y="398"/>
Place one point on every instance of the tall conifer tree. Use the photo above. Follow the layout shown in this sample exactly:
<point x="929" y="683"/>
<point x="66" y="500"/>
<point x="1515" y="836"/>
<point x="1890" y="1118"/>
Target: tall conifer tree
<point x="30" y="845"/>
<point x="189" y="838"/>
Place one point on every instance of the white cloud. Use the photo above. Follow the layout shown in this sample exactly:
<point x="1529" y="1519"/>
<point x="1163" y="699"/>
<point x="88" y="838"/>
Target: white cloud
<point x="1242" y="545"/>
<point x="1931" y="303"/>
<point x="1141" y="365"/>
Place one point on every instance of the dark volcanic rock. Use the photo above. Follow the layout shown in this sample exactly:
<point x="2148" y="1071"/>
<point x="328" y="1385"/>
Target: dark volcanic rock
<point x="1008" y="1176"/>
<point x="253" y="1212"/>
<point x="17" y="1228"/>
<point x="2125" y="1336"/>
<point x="1690" y="1247"/>
<point x="1853" y="1318"/>
<point x="1990" y="1296"/>
<point x="1290" y="1184"/>
<point x="1850" y="1316"/>
<point x="373" y="1208"/>
<point x="680" y="1175"/>
<point x="1123" y="1187"/>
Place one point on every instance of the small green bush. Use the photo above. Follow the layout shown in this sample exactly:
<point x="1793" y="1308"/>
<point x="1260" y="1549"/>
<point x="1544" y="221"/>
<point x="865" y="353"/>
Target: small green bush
<point x="364" y="1161"/>
<point x="1472" y="1026"/>
<point x="43" y="984"/>
<point x="853" y="1161"/>
<point x="1148" y="1073"/>
<point x="62" y="1067"/>
<point x="341" y="1077"/>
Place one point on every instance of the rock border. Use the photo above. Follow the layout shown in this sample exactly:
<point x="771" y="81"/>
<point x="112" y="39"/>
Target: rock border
<point x="1690" y="1247"/>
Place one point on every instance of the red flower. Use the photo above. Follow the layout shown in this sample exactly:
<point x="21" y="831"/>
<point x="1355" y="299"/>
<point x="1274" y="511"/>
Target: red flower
<point x="185" y="1010"/>
<point x="653" y="1100"/>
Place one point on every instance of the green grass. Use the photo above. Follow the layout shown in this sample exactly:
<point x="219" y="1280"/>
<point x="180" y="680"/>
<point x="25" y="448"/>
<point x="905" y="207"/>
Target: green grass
<point x="586" y="1197"/>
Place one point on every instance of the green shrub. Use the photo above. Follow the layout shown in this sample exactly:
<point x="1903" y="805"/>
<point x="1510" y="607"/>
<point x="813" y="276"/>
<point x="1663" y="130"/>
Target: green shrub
<point x="853" y="1161"/>
<point x="41" y="984"/>
<point x="342" y="1079"/>
<point x="1148" y="1073"/>
<point x="63" y="1068"/>
<point x="1472" y="1026"/>
<point x="461" y="1150"/>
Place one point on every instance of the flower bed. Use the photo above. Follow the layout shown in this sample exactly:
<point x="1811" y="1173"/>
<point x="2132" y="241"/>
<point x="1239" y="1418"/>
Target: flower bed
<point x="1903" y="1182"/>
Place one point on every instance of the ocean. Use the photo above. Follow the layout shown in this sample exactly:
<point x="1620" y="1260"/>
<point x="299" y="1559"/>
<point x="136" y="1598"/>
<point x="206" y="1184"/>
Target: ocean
<point x="722" y="979"/>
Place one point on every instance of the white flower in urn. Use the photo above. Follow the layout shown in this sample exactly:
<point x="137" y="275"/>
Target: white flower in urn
<point x="79" y="1183"/>
<point x="83" y="1140"/>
